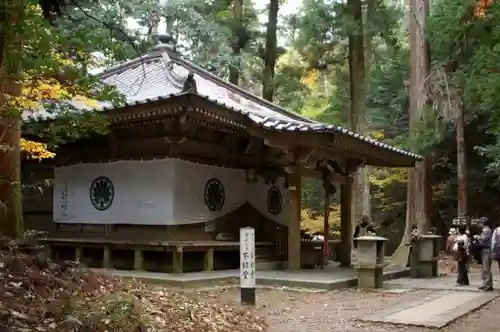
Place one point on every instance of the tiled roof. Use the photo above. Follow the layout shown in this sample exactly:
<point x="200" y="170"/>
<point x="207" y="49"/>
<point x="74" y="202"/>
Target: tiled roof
<point x="161" y="74"/>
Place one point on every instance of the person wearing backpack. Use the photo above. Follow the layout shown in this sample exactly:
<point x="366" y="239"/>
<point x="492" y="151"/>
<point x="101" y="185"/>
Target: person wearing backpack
<point x="485" y="244"/>
<point x="495" y="245"/>
<point x="462" y="258"/>
<point x="463" y="238"/>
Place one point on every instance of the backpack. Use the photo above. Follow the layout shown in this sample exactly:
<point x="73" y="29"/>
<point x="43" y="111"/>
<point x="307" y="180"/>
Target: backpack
<point x="464" y="239"/>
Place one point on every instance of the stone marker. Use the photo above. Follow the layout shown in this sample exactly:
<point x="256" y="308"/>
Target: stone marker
<point x="247" y="265"/>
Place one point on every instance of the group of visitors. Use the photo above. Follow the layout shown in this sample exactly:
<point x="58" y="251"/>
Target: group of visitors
<point x="484" y="247"/>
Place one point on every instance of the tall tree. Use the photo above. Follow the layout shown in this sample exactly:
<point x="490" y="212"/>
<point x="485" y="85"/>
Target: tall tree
<point x="271" y="51"/>
<point x="11" y="47"/>
<point x="419" y="72"/>
<point x="239" y="40"/>
<point x="357" y="77"/>
<point x="42" y="60"/>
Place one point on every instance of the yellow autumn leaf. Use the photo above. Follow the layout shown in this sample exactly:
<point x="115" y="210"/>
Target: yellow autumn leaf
<point x="91" y="103"/>
<point x="376" y="134"/>
<point x="35" y="150"/>
<point x="311" y="78"/>
<point x="48" y="89"/>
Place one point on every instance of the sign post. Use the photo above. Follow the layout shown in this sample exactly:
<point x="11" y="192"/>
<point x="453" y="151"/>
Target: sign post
<point x="247" y="265"/>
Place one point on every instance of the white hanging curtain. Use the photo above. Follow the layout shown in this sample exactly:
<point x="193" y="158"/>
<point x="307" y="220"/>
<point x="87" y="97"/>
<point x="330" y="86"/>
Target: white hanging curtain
<point x="161" y="192"/>
<point x="271" y="199"/>
<point x="203" y="192"/>
<point x="122" y="192"/>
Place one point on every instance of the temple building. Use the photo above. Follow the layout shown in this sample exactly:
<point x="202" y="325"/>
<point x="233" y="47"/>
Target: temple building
<point x="189" y="160"/>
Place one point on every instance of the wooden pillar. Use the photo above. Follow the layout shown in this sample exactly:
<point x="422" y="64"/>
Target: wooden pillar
<point x="138" y="259"/>
<point x="178" y="260"/>
<point x="346" y="231"/>
<point x="106" y="257"/>
<point x="294" y="236"/>
<point x="208" y="264"/>
<point x="326" y="227"/>
<point x="78" y="254"/>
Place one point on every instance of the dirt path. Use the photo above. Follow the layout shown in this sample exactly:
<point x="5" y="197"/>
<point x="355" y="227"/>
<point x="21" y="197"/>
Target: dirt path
<point x="287" y="311"/>
<point x="292" y="311"/>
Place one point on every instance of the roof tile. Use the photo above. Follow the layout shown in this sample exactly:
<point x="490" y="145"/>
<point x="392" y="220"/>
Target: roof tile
<point x="161" y="74"/>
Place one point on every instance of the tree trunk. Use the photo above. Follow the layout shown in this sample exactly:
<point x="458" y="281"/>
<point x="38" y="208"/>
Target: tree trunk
<point x="364" y="179"/>
<point x="234" y="69"/>
<point x="11" y="218"/>
<point x="419" y="70"/>
<point x="461" y="164"/>
<point x="357" y="98"/>
<point x="153" y="28"/>
<point x="417" y="209"/>
<point x="270" y="51"/>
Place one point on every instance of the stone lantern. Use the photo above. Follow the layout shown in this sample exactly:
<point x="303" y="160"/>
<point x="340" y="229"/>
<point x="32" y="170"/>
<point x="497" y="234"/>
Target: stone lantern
<point x="370" y="261"/>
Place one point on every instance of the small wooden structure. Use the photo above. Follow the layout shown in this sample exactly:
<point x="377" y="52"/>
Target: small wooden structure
<point x="178" y="111"/>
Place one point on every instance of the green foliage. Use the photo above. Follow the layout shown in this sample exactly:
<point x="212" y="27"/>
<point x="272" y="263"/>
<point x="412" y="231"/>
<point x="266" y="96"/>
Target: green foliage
<point x="312" y="78"/>
<point x="472" y="44"/>
<point x="59" y="57"/>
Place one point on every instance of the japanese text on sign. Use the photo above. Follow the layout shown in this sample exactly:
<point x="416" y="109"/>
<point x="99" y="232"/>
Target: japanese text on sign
<point x="247" y="257"/>
<point x="64" y="201"/>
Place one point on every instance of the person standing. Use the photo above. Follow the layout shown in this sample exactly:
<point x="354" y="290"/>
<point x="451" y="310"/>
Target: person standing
<point x="495" y="245"/>
<point x="476" y="246"/>
<point x="362" y="229"/>
<point x="463" y="238"/>
<point x="414" y="236"/>
<point x="462" y="259"/>
<point x="451" y="240"/>
<point x="484" y="243"/>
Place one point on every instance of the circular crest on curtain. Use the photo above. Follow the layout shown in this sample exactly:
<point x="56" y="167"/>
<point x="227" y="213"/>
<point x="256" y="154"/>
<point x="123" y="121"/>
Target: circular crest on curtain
<point x="215" y="195"/>
<point x="274" y="200"/>
<point x="102" y="193"/>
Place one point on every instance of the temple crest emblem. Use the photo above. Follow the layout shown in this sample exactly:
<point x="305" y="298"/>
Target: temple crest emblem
<point x="102" y="193"/>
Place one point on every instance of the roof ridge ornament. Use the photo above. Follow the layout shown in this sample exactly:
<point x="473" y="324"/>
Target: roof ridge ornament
<point x="190" y="84"/>
<point x="165" y="43"/>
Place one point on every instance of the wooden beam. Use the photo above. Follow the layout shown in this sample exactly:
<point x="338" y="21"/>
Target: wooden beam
<point x="176" y="128"/>
<point x="195" y="148"/>
<point x="290" y="139"/>
<point x="334" y="178"/>
<point x="333" y="146"/>
<point x="217" y="112"/>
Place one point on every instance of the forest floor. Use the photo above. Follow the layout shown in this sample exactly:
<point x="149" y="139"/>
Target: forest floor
<point x="37" y="294"/>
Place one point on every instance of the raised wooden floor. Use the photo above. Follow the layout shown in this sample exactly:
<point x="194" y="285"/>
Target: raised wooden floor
<point x="266" y="252"/>
<point x="176" y="248"/>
